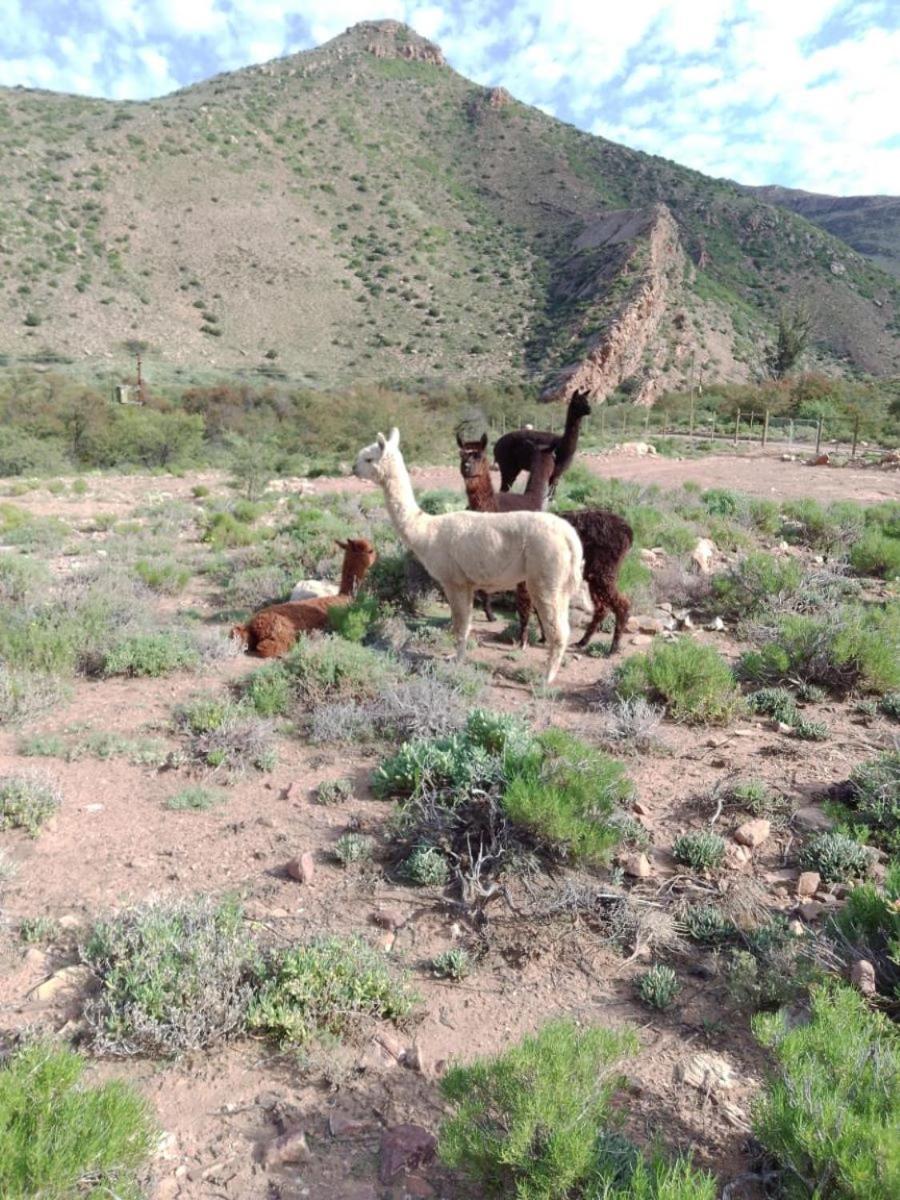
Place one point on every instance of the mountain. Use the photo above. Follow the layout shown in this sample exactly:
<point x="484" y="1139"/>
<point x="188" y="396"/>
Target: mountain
<point x="362" y="212"/>
<point x="870" y="224"/>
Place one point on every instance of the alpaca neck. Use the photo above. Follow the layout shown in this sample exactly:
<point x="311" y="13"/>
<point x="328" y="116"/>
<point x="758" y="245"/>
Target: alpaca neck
<point x="480" y="492"/>
<point x="352" y="575"/>
<point x="538" y="482"/>
<point x="408" y="518"/>
<point x="569" y="441"/>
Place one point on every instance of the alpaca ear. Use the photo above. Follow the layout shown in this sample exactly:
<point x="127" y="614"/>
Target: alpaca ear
<point x="343" y="545"/>
<point x="379" y="438"/>
<point x="394" y="438"/>
<point x="484" y="441"/>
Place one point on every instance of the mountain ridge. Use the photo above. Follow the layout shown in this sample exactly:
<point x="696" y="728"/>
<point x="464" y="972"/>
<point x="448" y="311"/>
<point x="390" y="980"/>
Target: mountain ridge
<point x="361" y="211"/>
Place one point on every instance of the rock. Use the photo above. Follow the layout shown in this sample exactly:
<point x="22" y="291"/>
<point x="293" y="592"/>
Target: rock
<point x="638" y="866"/>
<point x="414" y="1058"/>
<point x="641" y="809"/>
<point x="753" y="833"/>
<point x="782" y="727"/>
<point x="665" y="607"/>
<point x="34" y="959"/>
<point x="69" y="979"/>
<point x="289" y="1147"/>
<point x="812" y="819"/>
<point x="686" y="622"/>
<point x="810" y="910"/>
<point x="403" y="1148"/>
<point x="808" y="883"/>
<point x="640" y="639"/>
<point x="417" y="1187"/>
<point x="69" y="921"/>
<point x="738" y="857"/>
<point x="716" y="625"/>
<point x="649" y="625"/>
<point x="796" y="928"/>
<point x="303" y="869"/>
<point x="388" y="918"/>
<point x="309" y="589"/>
<point x="340" y="1126"/>
<point x="702" y="555"/>
<point x="390" y="1044"/>
<point x="706" y="1072"/>
<point x="862" y="976"/>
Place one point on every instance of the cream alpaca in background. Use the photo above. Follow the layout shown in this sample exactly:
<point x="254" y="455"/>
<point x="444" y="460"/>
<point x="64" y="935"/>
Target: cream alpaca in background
<point x="469" y="551"/>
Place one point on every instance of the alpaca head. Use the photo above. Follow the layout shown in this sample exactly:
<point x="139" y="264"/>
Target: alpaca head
<point x="359" y="555"/>
<point x="579" y="404"/>
<point x="472" y="461"/>
<point x="240" y="633"/>
<point x="373" y="461"/>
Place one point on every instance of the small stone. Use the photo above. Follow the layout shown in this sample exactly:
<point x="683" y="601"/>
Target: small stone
<point x="862" y="976"/>
<point x="386" y="941"/>
<point x="812" y="819"/>
<point x="391" y="1045"/>
<point x="387" y="918"/>
<point x="665" y="607"/>
<point x="638" y="866"/>
<point x="92" y="808"/>
<point x="782" y="727"/>
<point x="716" y="625"/>
<point x="738" y="857"/>
<point x="290" y="1147"/>
<point x="414" y="1058"/>
<point x="35" y="960"/>
<point x="69" y="979"/>
<point x="649" y="625"/>
<point x="340" y="1126"/>
<point x="403" y="1148"/>
<point x="810" y="910"/>
<point x="640" y="639"/>
<point x="303" y="869"/>
<point x="808" y="883"/>
<point x="707" y="1072"/>
<point x="69" y="921"/>
<point x="753" y="833"/>
<point x="641" y="809"/>
<point x="686" y="622"/>
<point x="797" y="928"/>
<point x="417" y="1187"/>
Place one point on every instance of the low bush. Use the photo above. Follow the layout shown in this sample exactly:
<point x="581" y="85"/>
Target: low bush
<point x="426" y="867"/>
<point x="27" y="802"/>
<point x="331" y="668"/>
<point x="226" y="735"/>
<point x="355" y="620"/>
<point x="693" y="681"/>
<point x="657" y="987"/>
<point x="849" y="648"/>
<point x="526" y="1123"/>
<point x="868" y="926"/>
<point x="61" y="1138"/>
<point x="151" y="654"/>
<point x="162" y="575"/>
<point x="455" y="964"/>
<point x="876" y="554"/>
<point x="269" y="690"/>
<point x="706" y="923"/>
<point x="874" y="792"/>
<point x="35" y="931"/>
<point x="25" y="695"/>
<point x="225" y="532"/>
<point x="399" y="581"/>
<point x="700" y="849"/>
<point x="772" y="968"/>
<point x="334" y="791"/>
<point x="756" y="583"/>
<point x="829" y="1113"/>
<point x="353" y="848"/>
<point x="775" y="702"/>
<point x="173" y="975"/>
<point x="325" y="988"/>
<point x="836" y="856"/>
<point x="194" y="799"/>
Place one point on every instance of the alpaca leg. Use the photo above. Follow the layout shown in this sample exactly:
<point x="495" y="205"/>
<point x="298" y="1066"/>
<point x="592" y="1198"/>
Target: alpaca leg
<point x="621" y="608"/>
<point x="460" y="600"/>
<point x="523" y="608"/>
<point x="484" y="599"/>
<point x="508" y="476"/>
<point x="270" y="648"/>
<point x="554" y="615"/>
<point x="599" y="601"/>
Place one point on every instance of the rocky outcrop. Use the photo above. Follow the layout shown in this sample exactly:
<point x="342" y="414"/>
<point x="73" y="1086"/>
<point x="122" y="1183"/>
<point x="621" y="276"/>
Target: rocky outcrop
<point x="486" y="101"/>
<point x="617" y="353"/>
<point x="391" y="39"/>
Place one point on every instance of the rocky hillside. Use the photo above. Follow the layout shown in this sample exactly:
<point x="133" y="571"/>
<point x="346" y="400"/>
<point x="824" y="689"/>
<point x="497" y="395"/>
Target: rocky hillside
<point x="362" y="212"/>
<point x="870" y="224"/>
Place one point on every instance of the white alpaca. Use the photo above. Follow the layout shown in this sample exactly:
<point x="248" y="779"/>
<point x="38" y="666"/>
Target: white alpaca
<point x="469" y="551"/>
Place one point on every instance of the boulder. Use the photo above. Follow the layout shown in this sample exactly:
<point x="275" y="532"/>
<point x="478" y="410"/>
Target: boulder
<point x="862" y="976"/>
<point x="702" y="555"/>
<point x="753" y="833"/>
<point x="403" y="1148"/>
<point x="808" y="884"/>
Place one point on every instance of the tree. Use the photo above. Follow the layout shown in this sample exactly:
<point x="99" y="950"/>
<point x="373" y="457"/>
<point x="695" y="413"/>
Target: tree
<point x="790" y="341"/>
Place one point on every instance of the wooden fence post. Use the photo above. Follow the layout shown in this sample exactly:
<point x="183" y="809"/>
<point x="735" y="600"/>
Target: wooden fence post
<point x="855" y="435"/>
<point x="818" y="436"/>
<point x="737" y="426"/>
<point x="602" y="422"/>
<point x="765" y="432"/>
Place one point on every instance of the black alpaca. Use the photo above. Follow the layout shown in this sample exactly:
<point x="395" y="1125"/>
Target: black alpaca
<point x="513" y="452"/>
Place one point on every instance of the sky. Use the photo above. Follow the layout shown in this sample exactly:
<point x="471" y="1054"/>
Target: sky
<point x="804" y="93"/>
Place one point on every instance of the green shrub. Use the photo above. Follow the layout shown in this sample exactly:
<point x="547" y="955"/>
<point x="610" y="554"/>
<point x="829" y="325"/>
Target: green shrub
<point x="452" y="964"/>
<point x="527" y="1121"/>
<point x="890" y="705"/>
<point x="353" y="848"/>
<point x="656" y="1178"/>
<point x="39" y="930"/>
<point x="334" y="791"/>
<point x="875" y="795"/>
<point x="194" y="799"/>
<point x="868" y="925"/>
<point x="173" y="976"/>
<point x="657" y="987"/>
<point x="151" y="654"/>
<point x="269" y="690"/>
<point x="876" y="554"/>
<point x="225" y="532"/>
<point x="756" y="583"/>
<point x="702" y="850"/>
<point x="426" y="867"/>
<point x="706" y="923"/>
<point x="60" y="1138"/>
<point x="850" y="648"/>
<point x="441" y="500"/>
<point x="227" y="735"/>
<point x="773" y="968"/>
<point x="693" y="681"/>
<point x="24" y="695"/>
<point x="26" y="802"/>
<point x="829" y="1114"/>
<point x="331" y="668"/>
<point x="836" y="857"/>
<point x="324" y="988"/>
<point x="810" y="731"/>
<point x="162" y="575"/>
<point x="752" y="795"/>
<point x="353" y="621"/>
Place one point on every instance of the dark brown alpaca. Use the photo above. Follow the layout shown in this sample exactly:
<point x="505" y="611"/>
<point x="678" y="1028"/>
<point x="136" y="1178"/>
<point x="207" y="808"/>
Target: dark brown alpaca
<point x="273" y="631"/>
<point x="513" y="451"/>
<point x="605" y="538"/>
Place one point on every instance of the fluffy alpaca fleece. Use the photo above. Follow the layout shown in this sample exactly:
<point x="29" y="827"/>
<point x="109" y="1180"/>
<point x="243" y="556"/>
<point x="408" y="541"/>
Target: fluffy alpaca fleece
<point x="465" y="551"/>
<point x="513" y="451"/>
<point x="273" y="631"/>
<point x="605" y="538"/>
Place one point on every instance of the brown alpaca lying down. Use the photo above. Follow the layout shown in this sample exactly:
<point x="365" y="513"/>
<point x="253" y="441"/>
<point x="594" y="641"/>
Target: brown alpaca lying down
<point x="273" y="631"/>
